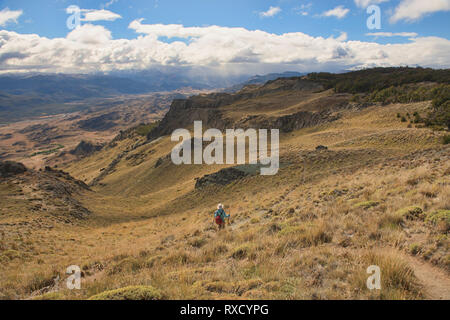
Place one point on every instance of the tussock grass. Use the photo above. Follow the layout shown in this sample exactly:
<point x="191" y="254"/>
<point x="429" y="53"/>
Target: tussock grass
<point x="310" y="232"/>
<point x="398" y="281"/>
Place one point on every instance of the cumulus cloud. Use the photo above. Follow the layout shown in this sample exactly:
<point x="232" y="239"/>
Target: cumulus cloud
<point x="270" y="13"/>
<point x="217" y="49"/>
<point x="411" y="10"/>
<point x="393" y="34"/>
<point x="338" y="12"/>
<point x="366" y="3"/>
<point x="7" y="16"/>
<point x="90" y="34"/>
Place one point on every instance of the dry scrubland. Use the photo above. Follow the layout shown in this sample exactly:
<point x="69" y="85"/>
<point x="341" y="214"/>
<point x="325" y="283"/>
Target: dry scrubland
<point x="39" y="142"/>
<point x="380" y="195"/>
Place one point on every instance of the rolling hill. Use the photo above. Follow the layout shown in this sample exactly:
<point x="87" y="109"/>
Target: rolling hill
<point x="357" y="186"/>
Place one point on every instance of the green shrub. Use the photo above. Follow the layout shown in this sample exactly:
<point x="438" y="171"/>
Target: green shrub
<point x="439" y="215"/>
<point x="415" y="248"/>
<point x="144" y="129"/>
<point x="410" y="213"/>
<point x="440" y="218"/>
<point x="130" y="293"/>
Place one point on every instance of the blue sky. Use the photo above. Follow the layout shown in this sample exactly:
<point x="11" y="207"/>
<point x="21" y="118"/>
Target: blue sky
<point x="48" y="17"/>
<point x="402" y="22"/>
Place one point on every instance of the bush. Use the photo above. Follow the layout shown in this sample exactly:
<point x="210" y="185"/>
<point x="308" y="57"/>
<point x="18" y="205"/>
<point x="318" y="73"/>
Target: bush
<point x="439" y="215"/>
<point x="144" y="129"/>
<point x="130" y="293"/>
<point x="440" y="218"/>
<point x="415" y="248"/>
<point x="410" y="213"/>
<point x="446" y="139"/>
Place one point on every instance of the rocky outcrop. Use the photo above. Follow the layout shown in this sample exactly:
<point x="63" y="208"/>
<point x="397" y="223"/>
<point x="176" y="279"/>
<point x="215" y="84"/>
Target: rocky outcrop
<point x="222" y="177"/>
<point x="85" y="148"/>
<point x="57" y="184"/>
<point x="60" y="174"/>
<point x="183" y="113"/>
<point x="287" y="123"/>
<point x="50" y="190"/>
<point x="207" y="108"/>
<point x="10" y="168"/>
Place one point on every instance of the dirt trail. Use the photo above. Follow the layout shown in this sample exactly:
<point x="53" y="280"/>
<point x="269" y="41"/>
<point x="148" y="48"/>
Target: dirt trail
<point x="436" y="282"/>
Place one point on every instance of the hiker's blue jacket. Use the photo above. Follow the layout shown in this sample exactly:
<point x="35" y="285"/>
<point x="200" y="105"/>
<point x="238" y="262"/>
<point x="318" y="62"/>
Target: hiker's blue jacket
<point x="221" y="213"/>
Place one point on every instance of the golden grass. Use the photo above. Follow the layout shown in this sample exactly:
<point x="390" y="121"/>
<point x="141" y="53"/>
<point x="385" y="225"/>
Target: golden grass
<point x="309" y="232"/>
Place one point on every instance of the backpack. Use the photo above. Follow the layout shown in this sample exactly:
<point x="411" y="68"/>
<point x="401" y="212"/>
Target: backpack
<point x="219" y="218"/>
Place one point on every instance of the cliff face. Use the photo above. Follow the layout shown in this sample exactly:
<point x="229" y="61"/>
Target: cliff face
<point x="223" y="110"/>
<point x="183" y="113"/>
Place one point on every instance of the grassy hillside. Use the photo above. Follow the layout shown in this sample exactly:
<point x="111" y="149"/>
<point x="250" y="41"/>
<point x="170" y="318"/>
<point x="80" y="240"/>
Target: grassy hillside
<point x="377" y="196"/>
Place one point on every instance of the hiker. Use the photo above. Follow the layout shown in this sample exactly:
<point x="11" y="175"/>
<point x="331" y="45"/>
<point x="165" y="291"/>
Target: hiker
<point x="220" y="216"/>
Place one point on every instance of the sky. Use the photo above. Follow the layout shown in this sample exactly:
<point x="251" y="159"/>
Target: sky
<point x="236" y="37"/>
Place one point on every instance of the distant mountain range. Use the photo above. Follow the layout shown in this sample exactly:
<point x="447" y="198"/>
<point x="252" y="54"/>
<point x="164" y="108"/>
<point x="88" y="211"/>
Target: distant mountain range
<point x="64" y="88"/>
<point x="25" y="96"/>
<point x="258" y="79"/>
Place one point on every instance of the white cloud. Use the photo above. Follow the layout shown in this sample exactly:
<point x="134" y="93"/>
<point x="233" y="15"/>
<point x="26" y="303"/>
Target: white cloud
<point x="212" y="49"/>
<point x="411" y="10"/>
<point x="271" y="12"/>
<point x="90" y="34"/>
<point x="338" y="12"/>
<point x="366" y="3"/>
<point x="393" y="34"/>
<point x="7" y="15"/>
<point x="99" y="15"/>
